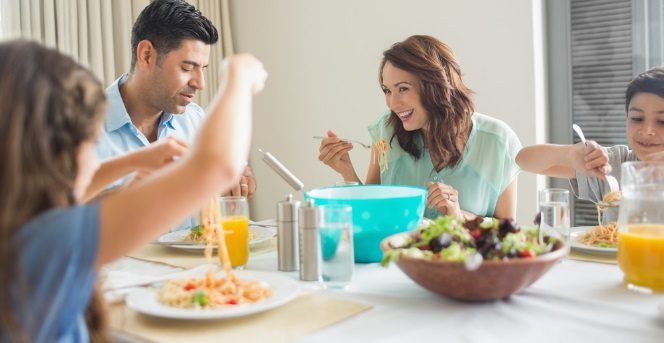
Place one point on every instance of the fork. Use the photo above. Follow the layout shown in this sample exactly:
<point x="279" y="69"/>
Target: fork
<point x="366" y="146"/>
<point x="613" y="183"/>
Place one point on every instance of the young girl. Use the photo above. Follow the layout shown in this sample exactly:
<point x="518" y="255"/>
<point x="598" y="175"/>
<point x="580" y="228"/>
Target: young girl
<point x="586" y="165"/>
<point x="51" y="110"/>
<point x="431" y="136"/>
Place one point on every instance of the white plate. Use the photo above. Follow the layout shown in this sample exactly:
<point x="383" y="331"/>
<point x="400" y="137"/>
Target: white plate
<point x="576" y="233"/>
<point x="284" y="289"/>
<point x="261" y="235"/>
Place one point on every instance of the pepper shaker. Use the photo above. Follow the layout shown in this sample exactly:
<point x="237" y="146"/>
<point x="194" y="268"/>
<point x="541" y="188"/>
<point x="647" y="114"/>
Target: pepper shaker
<point x="310" y="254"/>
<point x="287" y="234"/>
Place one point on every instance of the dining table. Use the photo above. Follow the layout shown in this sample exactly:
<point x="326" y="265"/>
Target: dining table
<point x="583" y="298"/>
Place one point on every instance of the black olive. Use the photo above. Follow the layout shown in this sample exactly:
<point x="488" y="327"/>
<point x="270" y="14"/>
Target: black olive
<point x="506" y="226"/>
<point x="474" y="223"/>
<point x="441" y="242"/>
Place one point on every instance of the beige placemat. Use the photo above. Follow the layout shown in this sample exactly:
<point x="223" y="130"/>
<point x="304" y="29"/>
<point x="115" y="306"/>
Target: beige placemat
<point x="303" y="315"/>
<point x="609" y="259"/>
<point x="190" y="259"/>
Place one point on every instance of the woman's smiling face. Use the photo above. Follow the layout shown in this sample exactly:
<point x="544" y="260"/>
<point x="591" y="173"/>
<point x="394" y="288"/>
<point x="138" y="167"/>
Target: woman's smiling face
<point x="645" y="124"/>
<point x="402" y="96"/>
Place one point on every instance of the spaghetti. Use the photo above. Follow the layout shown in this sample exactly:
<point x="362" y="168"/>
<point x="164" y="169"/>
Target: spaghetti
<point x="380" y="148"/>
<point x="196" y="235"/>
<point x="612" y="197"/>
<point x="605" y="236"/>
<point x="211" y="292"/>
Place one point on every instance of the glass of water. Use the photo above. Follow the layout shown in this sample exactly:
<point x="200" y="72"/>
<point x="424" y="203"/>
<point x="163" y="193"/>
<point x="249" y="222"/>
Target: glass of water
<point x="554" y="208"/>
<point x="336" y="238"/>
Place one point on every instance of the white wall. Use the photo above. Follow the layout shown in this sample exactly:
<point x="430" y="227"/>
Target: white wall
<point x="323" y="56"/>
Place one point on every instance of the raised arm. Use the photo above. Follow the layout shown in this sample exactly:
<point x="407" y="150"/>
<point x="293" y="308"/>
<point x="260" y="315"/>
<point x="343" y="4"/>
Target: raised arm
<point x="564" y="160"/>
<point x="136" y="215"/>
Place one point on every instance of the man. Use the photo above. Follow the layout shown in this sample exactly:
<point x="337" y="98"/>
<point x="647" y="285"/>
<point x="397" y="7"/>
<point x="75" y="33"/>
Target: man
<point x="170" y="44"/>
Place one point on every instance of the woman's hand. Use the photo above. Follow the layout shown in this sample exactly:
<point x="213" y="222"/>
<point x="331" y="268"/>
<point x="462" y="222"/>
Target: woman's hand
<point x="590" y="159"/>
<point x="444" y="198"/>
<point x="334" y="153"/>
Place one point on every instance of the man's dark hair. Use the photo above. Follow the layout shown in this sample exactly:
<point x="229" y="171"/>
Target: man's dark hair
<point x="650" y="81"/>
<point x="165" y="23"/>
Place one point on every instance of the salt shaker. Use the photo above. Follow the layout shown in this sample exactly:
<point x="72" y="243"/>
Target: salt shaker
<point x="287" y="234"/>
<point x="310" y="254"/>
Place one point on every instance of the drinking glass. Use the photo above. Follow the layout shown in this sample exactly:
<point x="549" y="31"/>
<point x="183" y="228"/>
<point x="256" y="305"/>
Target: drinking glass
<point x="554" y="208"/>
<point x="235" y="221"/>
<point x="336" y="236"/>
<point x="641" y="225"/>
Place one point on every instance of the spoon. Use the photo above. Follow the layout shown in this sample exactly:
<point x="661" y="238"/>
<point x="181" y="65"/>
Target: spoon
<point x="613" y="182"/>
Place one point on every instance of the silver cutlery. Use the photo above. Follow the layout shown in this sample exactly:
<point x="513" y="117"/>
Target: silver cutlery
<point x="366" y="146"/>
<point x="613" y="182"/>
<point x="148" y="281"/>
<point x="177" y="243"/>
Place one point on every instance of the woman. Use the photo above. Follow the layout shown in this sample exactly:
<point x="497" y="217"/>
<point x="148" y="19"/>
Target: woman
<point x="51" y="246"/>
<point x="433" y="137"/>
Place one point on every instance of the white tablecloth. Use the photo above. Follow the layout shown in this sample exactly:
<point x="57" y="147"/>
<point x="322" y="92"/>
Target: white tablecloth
<point x="574" y="302"/>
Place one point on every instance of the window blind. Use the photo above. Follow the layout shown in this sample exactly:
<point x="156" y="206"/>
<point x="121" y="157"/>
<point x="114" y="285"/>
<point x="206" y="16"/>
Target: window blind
<point x="601" y="67"/>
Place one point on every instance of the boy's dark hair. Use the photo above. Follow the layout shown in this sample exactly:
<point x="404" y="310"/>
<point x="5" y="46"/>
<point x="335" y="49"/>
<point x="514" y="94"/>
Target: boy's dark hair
<point x="165" y="23"/>
<point x="650" y="81"/>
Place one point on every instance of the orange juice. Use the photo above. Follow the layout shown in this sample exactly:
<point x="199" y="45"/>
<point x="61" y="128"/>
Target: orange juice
<point x="236" y="229"/>
<point x="641" y="255"/>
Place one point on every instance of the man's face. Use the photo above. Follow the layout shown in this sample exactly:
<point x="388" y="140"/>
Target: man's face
<point x="179" y="75"/>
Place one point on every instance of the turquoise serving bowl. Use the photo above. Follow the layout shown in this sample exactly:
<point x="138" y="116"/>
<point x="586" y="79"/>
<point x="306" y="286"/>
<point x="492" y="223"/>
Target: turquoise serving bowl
<point x="378" y="211"/>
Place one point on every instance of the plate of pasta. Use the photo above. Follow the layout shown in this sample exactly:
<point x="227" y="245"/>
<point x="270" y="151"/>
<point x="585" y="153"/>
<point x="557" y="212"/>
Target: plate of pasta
<point x="595" y="239"/>
<point x="193" y="240"/>
<point x="199" y="299"/>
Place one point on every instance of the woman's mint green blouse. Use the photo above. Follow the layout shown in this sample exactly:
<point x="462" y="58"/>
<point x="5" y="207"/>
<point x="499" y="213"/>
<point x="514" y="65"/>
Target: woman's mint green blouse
<point x="487" y="167"/>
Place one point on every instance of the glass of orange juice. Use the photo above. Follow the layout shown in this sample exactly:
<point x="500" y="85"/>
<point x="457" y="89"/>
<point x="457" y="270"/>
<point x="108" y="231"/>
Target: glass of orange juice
<point x="641" y="224"/>
<point x="235" y="221"/>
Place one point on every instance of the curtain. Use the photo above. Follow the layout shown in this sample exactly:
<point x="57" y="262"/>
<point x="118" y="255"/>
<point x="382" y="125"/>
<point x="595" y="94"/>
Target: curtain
<point x="97" y="33"/>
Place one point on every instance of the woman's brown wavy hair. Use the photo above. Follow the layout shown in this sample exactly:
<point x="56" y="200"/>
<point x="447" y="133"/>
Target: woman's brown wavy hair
<point x="444" y="96"/>
<point x="49" y="105"/>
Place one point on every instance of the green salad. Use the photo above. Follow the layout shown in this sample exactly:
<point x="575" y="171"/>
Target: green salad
<point x="453" y="239"/>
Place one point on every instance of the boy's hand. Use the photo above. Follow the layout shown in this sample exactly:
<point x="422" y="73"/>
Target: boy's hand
<point x="591" y="159"/>
<point x="655" y="156"/>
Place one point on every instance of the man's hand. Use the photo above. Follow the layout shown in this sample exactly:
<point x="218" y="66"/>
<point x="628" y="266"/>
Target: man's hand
<point x="246" y="187"/>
